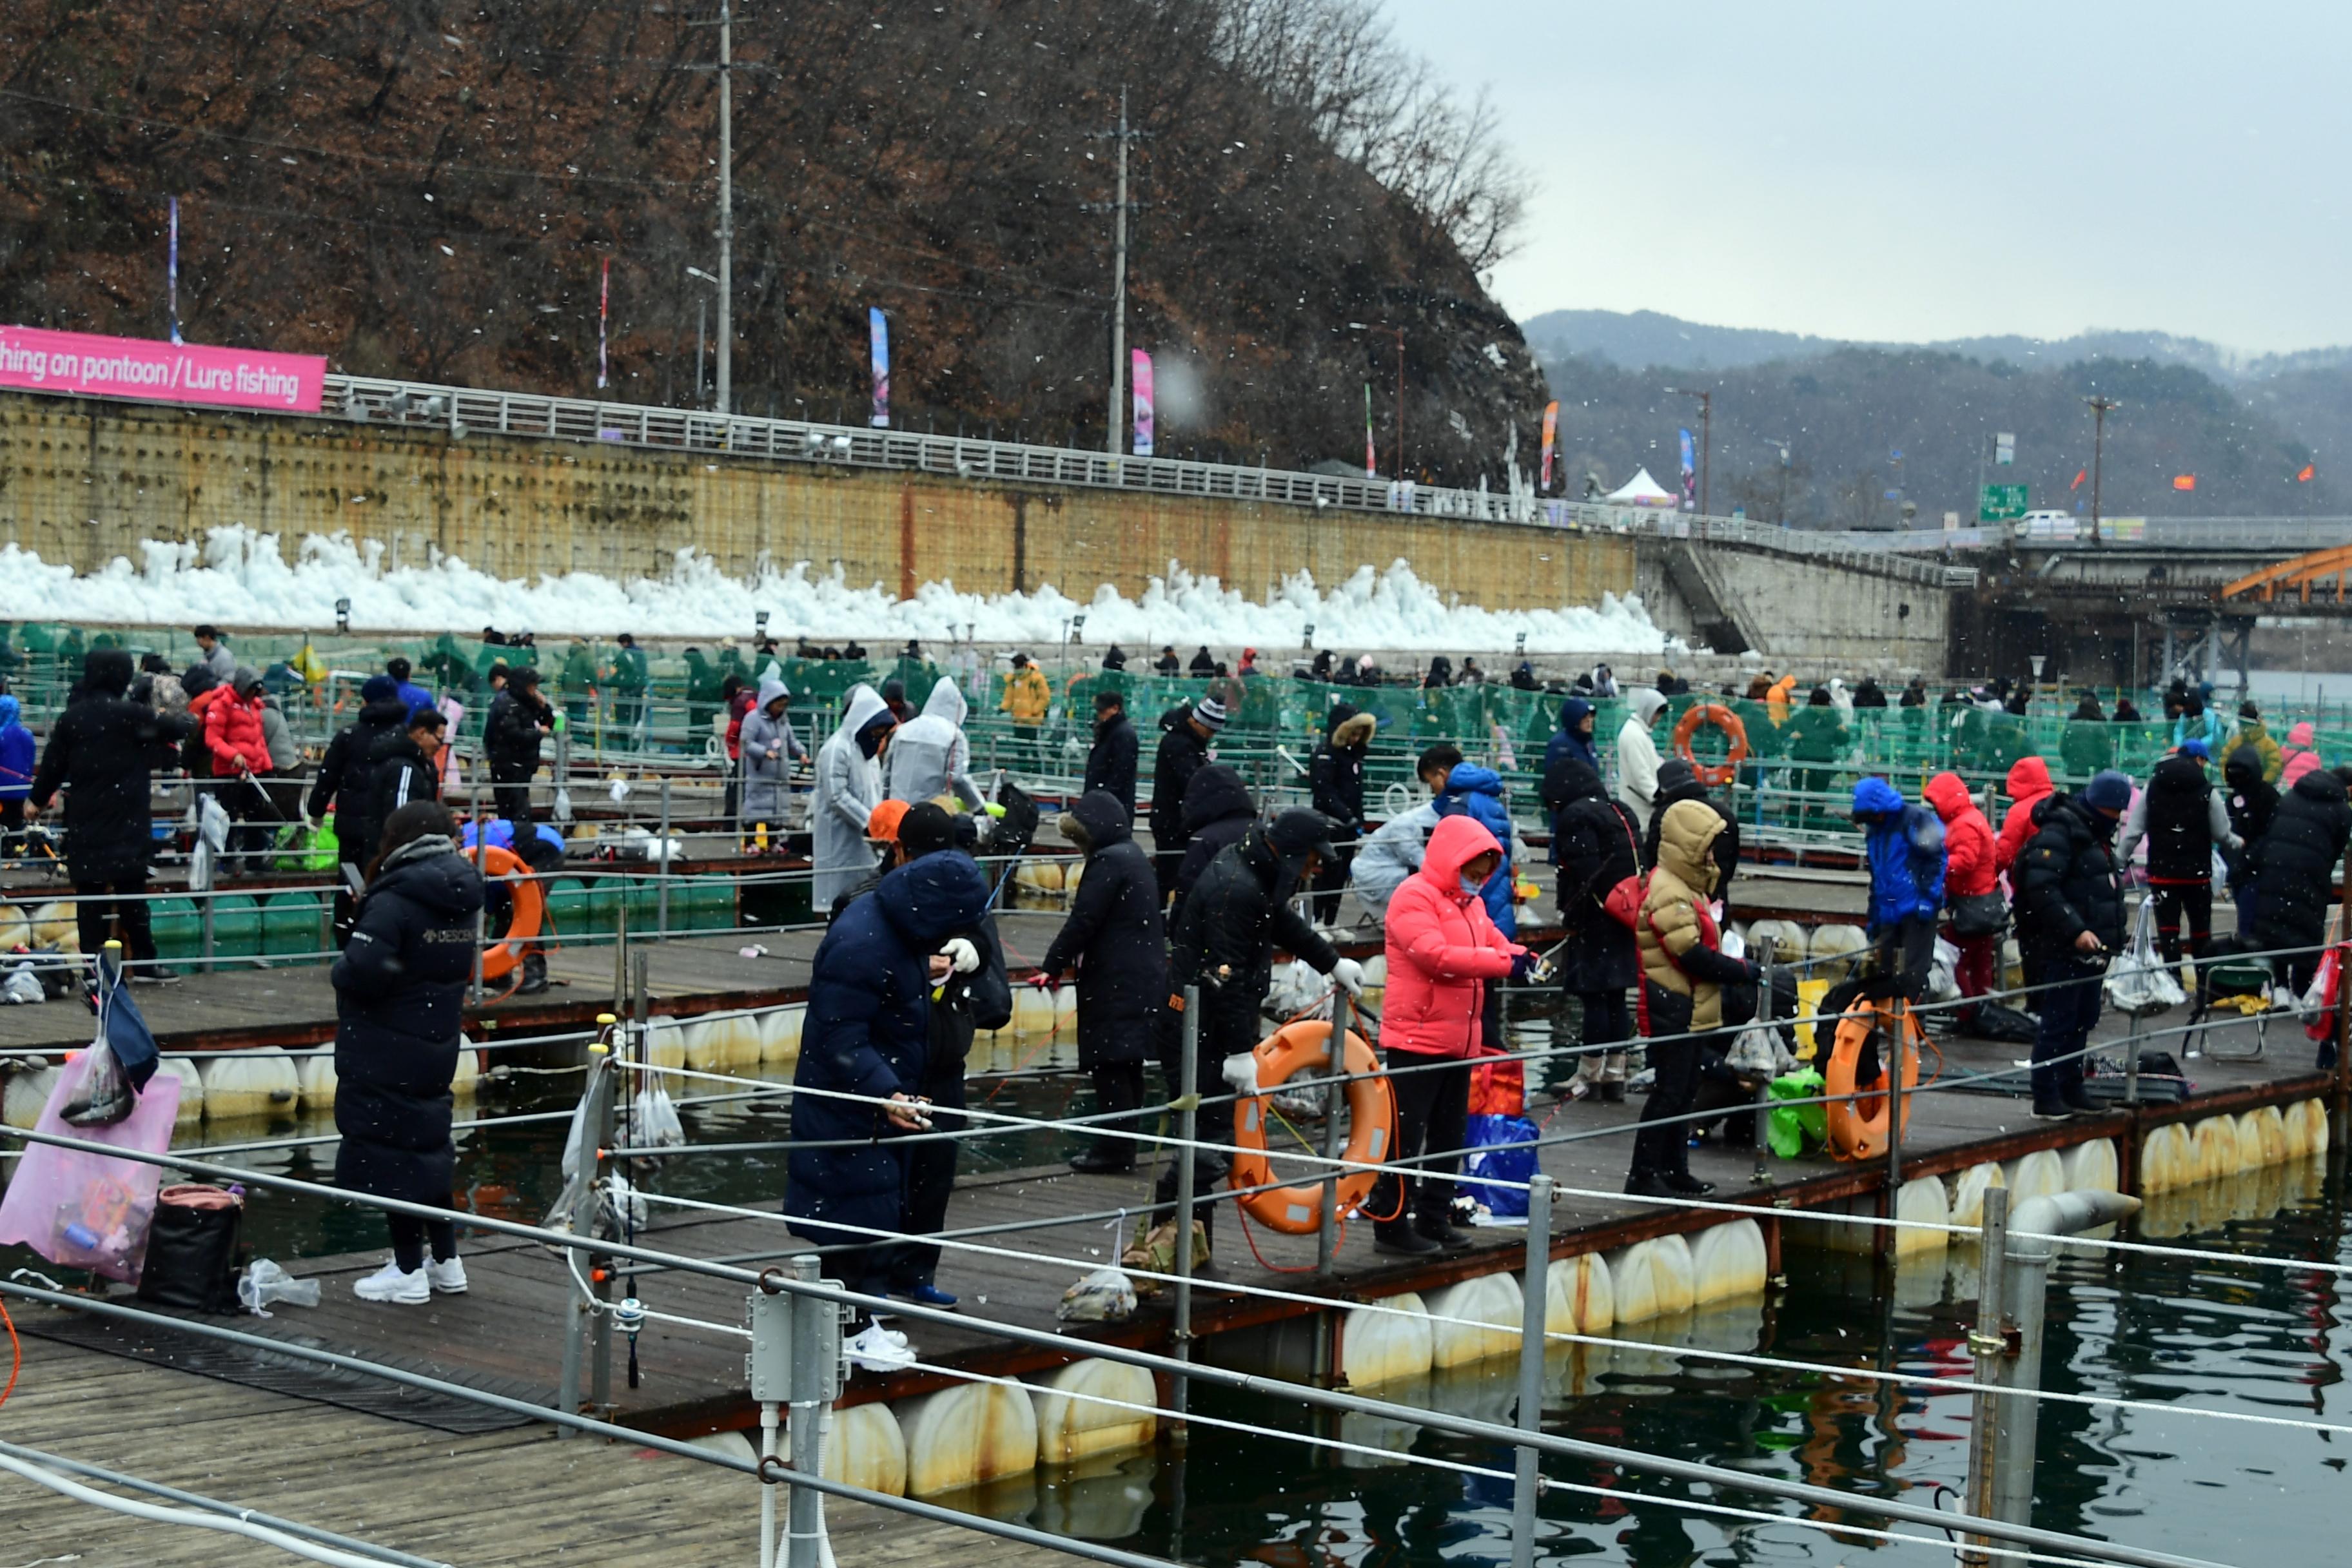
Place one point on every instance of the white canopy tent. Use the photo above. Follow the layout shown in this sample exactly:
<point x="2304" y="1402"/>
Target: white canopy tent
<point x="1641" y="490"/>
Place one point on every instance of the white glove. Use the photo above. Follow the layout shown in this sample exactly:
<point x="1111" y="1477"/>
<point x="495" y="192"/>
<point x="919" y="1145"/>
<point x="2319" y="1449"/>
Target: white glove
<point x="1348" y="975"/>
<point x="959" y="949"/>
<point x="1240" y="1069"/>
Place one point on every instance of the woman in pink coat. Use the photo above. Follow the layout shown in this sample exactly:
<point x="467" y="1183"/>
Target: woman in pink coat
<point x="1443" y="951"/>
<point x="2300" y="753"/>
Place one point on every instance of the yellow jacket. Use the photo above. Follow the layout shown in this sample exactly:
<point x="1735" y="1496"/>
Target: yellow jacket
<point x="1028" y="695"/>
<point x="1669" y="927"/>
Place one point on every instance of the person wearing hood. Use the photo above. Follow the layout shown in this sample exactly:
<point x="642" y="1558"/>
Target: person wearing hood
<point x="2251" y="736"/>
<point x="2197" y="723"/>
<point x="510" y="738"/>
<point x="2184" y="822"/>
<point x="577" y="682"/>
<point x="1815" y="735"/>
<point x="631" y="675"/>
<point x="1336" y="785"/>
<point x="1441" y="673"/>
<point x="1969" y="887"/>
<point x="1444" y="955"/>
<point x="1217" y="811"/>
<point x="848" y="788"/>
<point x="1780" y="700"/>
<point x="1394" y="851"/>
<point x="344" y="785"/>
<point x="1596" y="845"/>
<point x="399" y="990"/>
<point x="2126" y="711"/>
<point x="1904" y="845"/>
<point x="1110" y="760"/>
<point x="1028" y="699"/>
<point x="1223" y="941"/>
<point x="1574" y="737"/>
<point x="2252" y="801"/>
<point x="866" y="1035"/>
<point x="2299" y="755"/>
<point x="1637" y="755"/>
<point x="1114" y="657"/>
<point x="1114" y="945"/>
<point x="2028" y="785"/>
<point x="770" y="747"/>
<point x="1184" y="740"/>
<point x="16" y="751"/>
<point x="2070" y="918"/>
<point x="2087" y="745"/>
<point x="1914" y="692"/>
<point x="1868" y="693"/>
<point x="2294" y="874"/>
<point x="1679" y="782"/>
<point x="1683" y="971"/>
<point x="1168" y="665"/>
<point x="1523" y="677"/>
<point x="929" y="755"/>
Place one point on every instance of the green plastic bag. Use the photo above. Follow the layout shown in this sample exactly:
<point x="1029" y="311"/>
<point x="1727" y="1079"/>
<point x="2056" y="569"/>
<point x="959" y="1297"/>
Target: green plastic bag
<point x="1795" y="1129"/>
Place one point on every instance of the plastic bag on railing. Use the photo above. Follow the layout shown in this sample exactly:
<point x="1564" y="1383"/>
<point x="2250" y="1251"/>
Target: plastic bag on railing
<point x="653" y="1120"/>
<point x="1501" y="1160"/>
<point x="87" y="1210"/>
<point x="212" y="842"/>
<point x="264" y="1284"/>
<point x="1298" y="989"/>
<point x="1943" y="975"/>
<point x="2139" y="983"/>
<point x="2316" y="1006"/>
<point x="579" y="1163"/>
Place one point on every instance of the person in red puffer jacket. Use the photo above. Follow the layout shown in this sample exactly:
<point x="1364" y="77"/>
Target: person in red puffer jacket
<point x="1969" y="873"/>
<point x="234" y="737"/>
<point x="1443" y="950"/>
<point x="2028" y="786"/>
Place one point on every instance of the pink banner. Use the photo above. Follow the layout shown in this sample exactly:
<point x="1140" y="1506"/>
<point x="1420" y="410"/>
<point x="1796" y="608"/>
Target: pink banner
<point x="1141" y="373"/>
<point x="94" y="366"/>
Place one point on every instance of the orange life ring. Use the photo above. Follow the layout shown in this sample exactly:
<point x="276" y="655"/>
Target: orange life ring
<point x="1858" y="1126"/>
<point x="1371" y="1131"/>
<point x="530" y="911"/>
<point x="1723" y="719"/>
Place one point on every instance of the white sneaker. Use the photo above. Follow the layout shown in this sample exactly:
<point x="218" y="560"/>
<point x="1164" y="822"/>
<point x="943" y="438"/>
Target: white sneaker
<point x="389" y="1284"/>
<point x="445" y="1279"/>
<point x="878" y="1349"/>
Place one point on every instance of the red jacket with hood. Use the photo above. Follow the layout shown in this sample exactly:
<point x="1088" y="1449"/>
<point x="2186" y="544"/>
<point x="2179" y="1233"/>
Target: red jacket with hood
<point x="1443" y="947"/>
<point x="2029" y="786"/>
<point x="1969" y="869"/>
<point x="233" y="730"/>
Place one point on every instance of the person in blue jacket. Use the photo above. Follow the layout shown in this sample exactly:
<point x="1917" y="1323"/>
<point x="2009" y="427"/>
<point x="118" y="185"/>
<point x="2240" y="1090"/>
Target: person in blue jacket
<point x="868" y="1019"/>
<point x="15" y="777"/>
<point x="1477" y="793"/>
<point x="1574" y="737"/>
<point x="1904" y="845"/>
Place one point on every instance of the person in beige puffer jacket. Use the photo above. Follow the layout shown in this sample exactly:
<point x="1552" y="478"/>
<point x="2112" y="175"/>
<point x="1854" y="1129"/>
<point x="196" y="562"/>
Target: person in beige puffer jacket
<point x="1683" y="971"/>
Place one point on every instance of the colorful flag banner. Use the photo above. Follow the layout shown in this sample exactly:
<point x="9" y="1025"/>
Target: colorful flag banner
<point x="603" y="314"/>
<point x="1371" y="468"/>
<point x="1139" y="377"/>
<point x="879" y="329"/>
<point x="2184" y="481"/>
<point x="2079" y="475"/>
<point x="2310" y="472"/>
<point x="34" y="359"/>
<point x="1690" y="474"/>
<point x="1550" y="432"/>
<point x="172" y="272"/>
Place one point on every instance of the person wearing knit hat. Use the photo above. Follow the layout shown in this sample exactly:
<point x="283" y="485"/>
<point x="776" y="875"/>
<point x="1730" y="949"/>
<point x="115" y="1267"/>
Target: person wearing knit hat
<point x="1183" y="752"/>
<point x="2070" y="918"/>
<point x="1210" y="713"/>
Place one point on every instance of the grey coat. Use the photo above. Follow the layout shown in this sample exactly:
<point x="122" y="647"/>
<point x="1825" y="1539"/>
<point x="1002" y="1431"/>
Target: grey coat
<point x="767" y="748"/>
<point x="929" y="755"/>
<point x="848" y="788"/>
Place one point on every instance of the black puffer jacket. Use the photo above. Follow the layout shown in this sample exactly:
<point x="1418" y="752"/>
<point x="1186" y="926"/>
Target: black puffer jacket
<point x="2252" y="801"/>
<point x="102" y="750"/>
<point x="1183" y="752"/>
<point x="1217" y="811"/>
<point x="1599" y="847"/>
<point x="398" y="773"/>
<point x="1336" y="777"/>
<point x="1110" y="762"/>
<point x="510" y="734"/>
<point x="399" y="987"/>
<point x="1238" y="913"/>
<point x="2294" y="864"/>
<point x="2179" y="828"/>
<point x="1113" y="938"/>
<point x="1678" y="781"/>
<point x="347" y="772"/>
<point x="2065" y="881"/>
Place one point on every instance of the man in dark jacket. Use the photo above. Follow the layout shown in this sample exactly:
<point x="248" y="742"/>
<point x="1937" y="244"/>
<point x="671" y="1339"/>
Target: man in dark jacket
<point x="2251" y="800"/>
<point x="1224" y="943"/>
<point x="2295" y="872"/>
<point x="1573" y="738"/>
<point x="866" y="1034"/>
<point x="1110" y="762"/>
<point x="510" y="738"/>
<point x="1678" y="781"/>
<point x="1217" y="811"/>
<point x="2070" y="917"/>
<point x="101" y="750"/>
<point x="345" y="783"/>
<point x="1115" y="947"/>
<point x="1597" y="845"/>
<point x="400" y="987"/>
<point x="408" y="767"/>
<point x="1183" y="752"/>
<point x="1336" y="779"/>
<point x="2184" y="822"/>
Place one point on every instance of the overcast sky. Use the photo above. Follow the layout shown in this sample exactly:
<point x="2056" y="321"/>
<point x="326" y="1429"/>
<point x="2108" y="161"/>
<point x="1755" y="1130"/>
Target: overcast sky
<point x="1888" y="170"/>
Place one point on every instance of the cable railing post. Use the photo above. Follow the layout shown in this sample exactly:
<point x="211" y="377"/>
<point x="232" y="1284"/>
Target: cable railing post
<point x="1759" y="1176"/>
<point x="1188" y="1129"/>
<point x="1534" y="1291"/>
<point x="816" y="1361"/>
<point x="661" y="896"/>
<point x="1989" y="1347"/>
<point x="579" y="1221"/>
<point x="1335" y="1096"/>
<point x="1894" y="1108"/>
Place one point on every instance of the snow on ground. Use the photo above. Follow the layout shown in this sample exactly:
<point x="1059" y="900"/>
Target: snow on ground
<point x="238" y="577"/>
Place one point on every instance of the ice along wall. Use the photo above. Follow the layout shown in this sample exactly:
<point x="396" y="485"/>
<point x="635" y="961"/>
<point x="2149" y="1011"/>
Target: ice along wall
<point x="82" y="481"/>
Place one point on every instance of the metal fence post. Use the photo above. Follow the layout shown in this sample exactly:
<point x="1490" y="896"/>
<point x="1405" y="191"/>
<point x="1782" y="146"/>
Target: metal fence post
<point x="1759" y="1176"/>
<point x="1188" y="1122"/>
<point x="1534" y="1290"/>
<point x="1327" y="1234"/>
<point x="661" y="897"/>
<point x="816" y="1359"/>
<point x="1989" y="1346"/>
<point x="1894" y="1060"/>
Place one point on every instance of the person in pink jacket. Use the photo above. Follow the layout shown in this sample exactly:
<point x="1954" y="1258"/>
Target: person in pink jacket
<point x="1443" y="950"/>
<point x="2300" y="755"/>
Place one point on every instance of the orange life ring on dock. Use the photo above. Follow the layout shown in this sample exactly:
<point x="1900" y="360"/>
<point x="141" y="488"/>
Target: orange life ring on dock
<point x="1858" y="1126"/>
<point x="1723" y="719"/>
<point x="529" y="912"/>
<point x="1371" y="1132"/>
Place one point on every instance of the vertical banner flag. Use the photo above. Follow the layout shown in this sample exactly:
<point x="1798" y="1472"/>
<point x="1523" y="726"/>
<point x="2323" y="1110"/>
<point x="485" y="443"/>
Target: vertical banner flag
<point x="172" y="271"/>
<point x="1550" y="431"/>
<point x="879" y="329"/>
<point x="1139" y="377"/>
<point x="1371" y="467"/>
<point x="1690" y="475"/>
<point x="2310" y="471"/>
<point x="603" y="314"/>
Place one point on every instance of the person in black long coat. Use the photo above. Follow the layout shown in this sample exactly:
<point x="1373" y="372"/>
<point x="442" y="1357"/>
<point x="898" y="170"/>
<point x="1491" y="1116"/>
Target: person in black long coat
<point x="1336" y="780"/>
<point x="1110" y="762"/>
<point x="510" y="737"/>
<point x="399" y="990"/>
<point x="102" y="751"/>
<point x="1599" y="846"/>
<point x="1217" y="811"/>
<point x="344" y="784"/>
<point x="1115" y="946"/>
<point x="1184" y="750"/>
<point x="2295" y="872"/>
<point x="2069" y="902"/>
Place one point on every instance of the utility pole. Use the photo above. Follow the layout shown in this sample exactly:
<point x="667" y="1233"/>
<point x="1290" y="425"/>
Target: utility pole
<point x="726" y="401"/>
<point x="2101" y="405"/>
<point x="1706" y="436"/>
<point x="1399" y="334"/>
<point x="1116" y="439"/>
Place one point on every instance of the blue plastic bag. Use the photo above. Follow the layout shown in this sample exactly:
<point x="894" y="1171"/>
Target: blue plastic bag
<point x="1490" y="1163"/>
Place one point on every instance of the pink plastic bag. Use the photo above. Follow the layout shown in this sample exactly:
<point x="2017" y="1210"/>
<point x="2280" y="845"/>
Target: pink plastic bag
<point x="84" y="1210"/>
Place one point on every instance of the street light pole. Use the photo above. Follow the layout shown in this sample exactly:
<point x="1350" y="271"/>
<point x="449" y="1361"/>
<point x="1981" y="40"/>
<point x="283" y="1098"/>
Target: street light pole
<point x="1118" y="424"/>
<point x="2100" y="406"/>
<point x="702" y="319"/>
<point x="1399" y="333"/>
<point x="1706" y="437"/>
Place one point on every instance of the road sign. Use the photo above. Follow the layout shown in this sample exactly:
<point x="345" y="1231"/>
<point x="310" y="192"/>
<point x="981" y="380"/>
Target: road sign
<point x="2001" y="503"/>
<point x="2004" y="447"/>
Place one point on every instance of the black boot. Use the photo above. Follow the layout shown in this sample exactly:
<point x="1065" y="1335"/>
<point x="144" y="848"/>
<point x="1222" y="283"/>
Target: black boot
<point x="1401" y="1239"/>
<point x="1440" y="1228"/>
<point x="1118" y="1088"/>
<point x="1647" y="1184"/>
<point x="534" y="975"/>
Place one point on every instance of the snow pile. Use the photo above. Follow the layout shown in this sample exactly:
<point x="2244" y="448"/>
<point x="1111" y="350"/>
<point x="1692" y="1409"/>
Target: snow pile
<point x="239" y="577"/>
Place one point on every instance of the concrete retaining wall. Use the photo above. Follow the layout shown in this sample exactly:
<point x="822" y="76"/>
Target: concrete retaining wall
<point x="1819" y="619"/>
